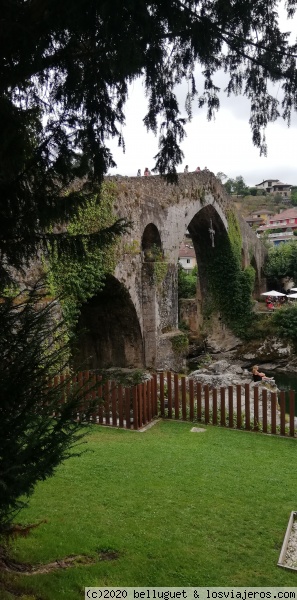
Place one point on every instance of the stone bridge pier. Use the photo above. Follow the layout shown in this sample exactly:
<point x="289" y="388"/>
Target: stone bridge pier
<point x="133" y="322"/>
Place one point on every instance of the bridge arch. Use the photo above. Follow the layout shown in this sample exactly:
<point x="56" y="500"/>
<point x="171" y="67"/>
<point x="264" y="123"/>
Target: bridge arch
<point x="206" y="229"/>
<point x="111" y="334"/>
<point x="151" y="242"/>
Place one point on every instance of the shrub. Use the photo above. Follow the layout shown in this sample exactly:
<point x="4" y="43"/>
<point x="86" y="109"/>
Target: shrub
<point x="285" y="321"/>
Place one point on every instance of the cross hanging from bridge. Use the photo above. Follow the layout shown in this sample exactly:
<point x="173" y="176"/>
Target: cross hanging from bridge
<point x="212" y="234"/>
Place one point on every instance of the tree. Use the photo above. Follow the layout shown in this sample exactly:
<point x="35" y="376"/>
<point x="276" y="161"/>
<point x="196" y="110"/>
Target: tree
<point x="229" y="186"/>
<point x="33" y="442"/>
<point x="294" y="196"/>
<point x="240" y="187"/>
<point x="62" y="93"/>
<point x="281" y="262"/>
<point x="236" y="186"/>
<point x="187" y="282"/>
<point x="221" y="176"/>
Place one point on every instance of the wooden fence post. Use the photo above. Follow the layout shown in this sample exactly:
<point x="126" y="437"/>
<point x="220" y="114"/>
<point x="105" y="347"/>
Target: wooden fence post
<point x="206" y="403"/>
<point x="230" y="405"/>
<point x="247" y="406"/>
<point x="169" y="393"/>
<point x="135" y="411"/>
<point x="144" y="402"/>
<point x="264" y="408"/>
<point x="162" y="403"/>
<point x="238" y="400"/>
<point x="155" y="395"/>
<point x="149" y="400"/>
<point x="223" y="411"/>
<point x="256" y="408"/>
<point x="100" y="397"/>
<point x="114" y="403"/>
<point x="214" y="407"/>
<point x="139" y="397"/>
<point x="292" y="412"/>
<point x="120" y="402"/>
<point x="283" y="412"/>
<point x="199" y="390"/>
<point x="184" y="399"/>
<point x="80" y="386"/>
<point x="93" y="399"/>
<point x="127" y="408"/>
<point x="273" y="398"/>
<point x="191" y="392"/>
<point x="176" y="396"/>
<point x="106" y="402"/>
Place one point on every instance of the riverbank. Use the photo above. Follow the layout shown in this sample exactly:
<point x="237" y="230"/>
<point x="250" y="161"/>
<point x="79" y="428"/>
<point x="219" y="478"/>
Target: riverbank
<point x="225" y="373"/>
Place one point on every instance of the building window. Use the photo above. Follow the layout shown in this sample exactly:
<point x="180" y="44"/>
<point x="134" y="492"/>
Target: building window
<point x="188" y="260"/>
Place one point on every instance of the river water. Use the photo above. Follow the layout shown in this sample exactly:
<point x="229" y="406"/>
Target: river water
<point x="285" y="381"/>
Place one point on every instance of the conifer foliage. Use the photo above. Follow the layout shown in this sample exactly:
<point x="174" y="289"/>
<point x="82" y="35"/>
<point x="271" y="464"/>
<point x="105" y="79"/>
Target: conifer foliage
<point x="38" y="427"/>
<point x="64" y="74"/>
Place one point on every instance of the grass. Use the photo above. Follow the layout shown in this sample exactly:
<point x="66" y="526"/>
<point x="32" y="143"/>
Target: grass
<point x="179" y="508"/>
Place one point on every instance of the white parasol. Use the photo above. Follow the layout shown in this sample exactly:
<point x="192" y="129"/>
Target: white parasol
<point x="273" y="293"/>
<point x="292" y="296"/>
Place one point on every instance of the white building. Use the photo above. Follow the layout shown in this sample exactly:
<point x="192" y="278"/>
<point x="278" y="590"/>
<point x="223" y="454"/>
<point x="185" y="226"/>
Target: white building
<point x="187" y="257"/>
<point x="275" y="186"/>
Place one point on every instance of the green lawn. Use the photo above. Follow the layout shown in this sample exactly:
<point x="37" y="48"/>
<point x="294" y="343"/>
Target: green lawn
<point x="179" y="508"/>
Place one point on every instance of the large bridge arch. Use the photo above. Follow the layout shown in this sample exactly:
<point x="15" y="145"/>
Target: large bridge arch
<point x="110" y="334"/>
<point x="206" y="229"/>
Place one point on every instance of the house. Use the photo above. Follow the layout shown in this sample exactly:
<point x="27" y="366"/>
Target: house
<point x="280" y="227"/>
<point x="258" y="217"/>
<point x="275" y="186"/>
<point x="187" y="257"/>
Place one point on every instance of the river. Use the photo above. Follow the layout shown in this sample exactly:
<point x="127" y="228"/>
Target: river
<point x="285" y="381"/>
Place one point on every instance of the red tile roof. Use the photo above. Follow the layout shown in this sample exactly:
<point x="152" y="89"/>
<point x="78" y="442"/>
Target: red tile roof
<point x="186" y="251"/>
<point x="290" y="213"/>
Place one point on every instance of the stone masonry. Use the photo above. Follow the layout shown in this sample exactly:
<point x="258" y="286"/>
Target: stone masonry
<point x="137" y="324"/>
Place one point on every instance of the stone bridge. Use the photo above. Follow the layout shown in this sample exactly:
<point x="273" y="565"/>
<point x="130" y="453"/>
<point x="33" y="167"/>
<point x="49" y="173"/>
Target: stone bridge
<point x="133" y="322"/>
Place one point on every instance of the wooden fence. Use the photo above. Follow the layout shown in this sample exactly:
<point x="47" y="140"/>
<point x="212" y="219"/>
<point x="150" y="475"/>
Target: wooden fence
<point x="170" y="396"/>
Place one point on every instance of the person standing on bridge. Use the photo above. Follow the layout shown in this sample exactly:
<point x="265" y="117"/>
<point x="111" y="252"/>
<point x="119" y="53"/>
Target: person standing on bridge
<point x="146" y="172"/>
<point x="139" y="173"/>
<point x="186" y="169"/>
<point x="197" y="170"/>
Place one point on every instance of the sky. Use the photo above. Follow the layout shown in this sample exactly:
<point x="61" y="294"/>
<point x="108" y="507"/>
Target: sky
<point x="222" y="145"/>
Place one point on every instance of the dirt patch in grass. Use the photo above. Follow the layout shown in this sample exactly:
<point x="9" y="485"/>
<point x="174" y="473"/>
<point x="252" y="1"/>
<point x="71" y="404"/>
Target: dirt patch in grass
<point x="6" y="564"/>
<point x="11" y="566"/>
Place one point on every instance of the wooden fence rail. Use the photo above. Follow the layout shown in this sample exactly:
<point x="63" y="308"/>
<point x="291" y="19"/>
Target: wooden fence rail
<point x="173" y="397"/>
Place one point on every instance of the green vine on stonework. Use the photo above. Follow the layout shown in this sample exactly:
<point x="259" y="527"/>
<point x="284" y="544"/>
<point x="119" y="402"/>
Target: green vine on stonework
<point x="132" y="248"/>
<point x="180" y="344"/>
<point x="76" y="279"/>
<point x="230" y="286"/>
<point x="160" y="271"/>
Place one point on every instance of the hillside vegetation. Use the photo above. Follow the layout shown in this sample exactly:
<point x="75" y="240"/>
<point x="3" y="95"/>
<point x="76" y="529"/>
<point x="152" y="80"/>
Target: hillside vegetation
<point x="249" y="204"/>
